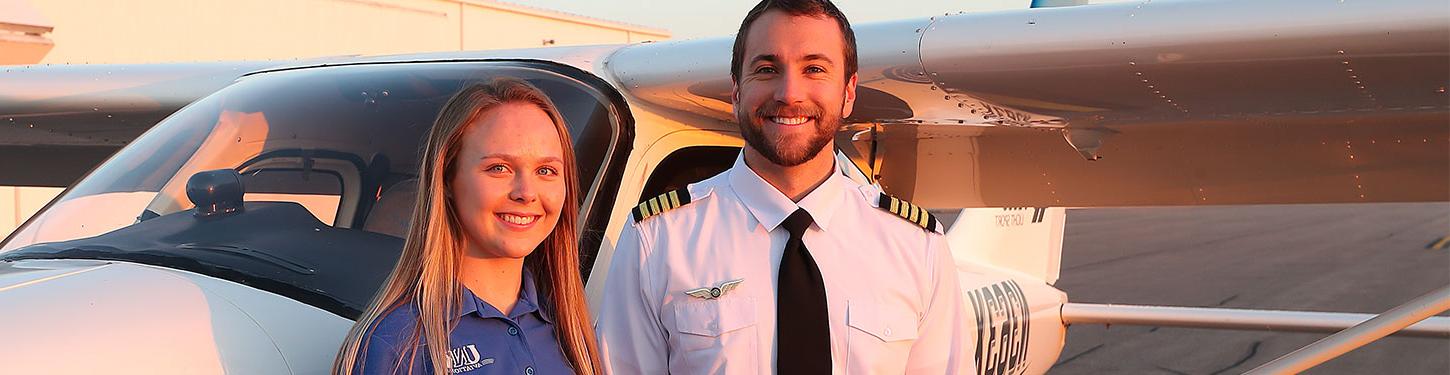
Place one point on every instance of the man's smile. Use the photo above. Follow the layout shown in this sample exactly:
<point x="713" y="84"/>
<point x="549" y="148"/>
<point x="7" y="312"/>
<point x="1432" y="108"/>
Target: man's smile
<point x="790" y="121"/>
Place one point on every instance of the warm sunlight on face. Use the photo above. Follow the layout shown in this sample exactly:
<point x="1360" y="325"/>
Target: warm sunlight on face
<point x="793" y="90"/>
<point x="509" y="183"/>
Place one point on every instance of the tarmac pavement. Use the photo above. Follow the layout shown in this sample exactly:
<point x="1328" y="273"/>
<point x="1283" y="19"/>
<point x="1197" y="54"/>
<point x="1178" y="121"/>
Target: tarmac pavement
<point x="1364" y="258"/>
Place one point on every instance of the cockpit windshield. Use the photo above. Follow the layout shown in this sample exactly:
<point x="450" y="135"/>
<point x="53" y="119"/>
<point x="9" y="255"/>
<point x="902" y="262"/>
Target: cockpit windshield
<point x="341" y="142"/>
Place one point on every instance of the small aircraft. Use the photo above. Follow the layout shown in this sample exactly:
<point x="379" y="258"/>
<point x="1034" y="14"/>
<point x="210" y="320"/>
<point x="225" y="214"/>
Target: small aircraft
<point x="244" y="232"/>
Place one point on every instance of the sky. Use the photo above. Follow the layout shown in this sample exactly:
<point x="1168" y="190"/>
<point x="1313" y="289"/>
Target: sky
<point x="705" y="18"/>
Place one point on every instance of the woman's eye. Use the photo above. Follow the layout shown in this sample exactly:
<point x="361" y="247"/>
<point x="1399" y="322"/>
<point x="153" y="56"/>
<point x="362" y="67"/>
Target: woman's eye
<point x="496" y="168"/>
<point x="548" y="171"/>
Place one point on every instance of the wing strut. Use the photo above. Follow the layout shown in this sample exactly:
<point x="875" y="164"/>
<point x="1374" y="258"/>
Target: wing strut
<point x="1337" y="344"/>
<point x="1236" y="319"/>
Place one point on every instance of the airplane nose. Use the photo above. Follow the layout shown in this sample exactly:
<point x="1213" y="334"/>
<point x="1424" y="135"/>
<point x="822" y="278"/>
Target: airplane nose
<point x="121" y="315"/>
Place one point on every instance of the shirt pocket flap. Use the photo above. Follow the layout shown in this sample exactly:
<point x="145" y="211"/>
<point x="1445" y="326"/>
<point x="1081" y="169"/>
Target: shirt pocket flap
<point x="714" y="317"/>
<point x="887" y="323"/>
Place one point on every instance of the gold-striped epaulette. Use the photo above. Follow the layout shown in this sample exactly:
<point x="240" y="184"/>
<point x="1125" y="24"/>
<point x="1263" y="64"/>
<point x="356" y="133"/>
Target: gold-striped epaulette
<point x="913" y="213"/>
<point x="665" y="202"/>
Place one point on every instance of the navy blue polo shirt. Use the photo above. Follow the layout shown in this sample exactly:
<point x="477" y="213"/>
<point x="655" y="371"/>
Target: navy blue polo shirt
<point x="484" y="341"/>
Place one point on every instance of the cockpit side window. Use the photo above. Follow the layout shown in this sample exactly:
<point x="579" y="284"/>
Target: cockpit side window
<point x="318" y="189"/>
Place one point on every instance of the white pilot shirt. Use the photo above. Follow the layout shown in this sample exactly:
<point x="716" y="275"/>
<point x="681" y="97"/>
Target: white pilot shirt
<point x="892" y="295"/>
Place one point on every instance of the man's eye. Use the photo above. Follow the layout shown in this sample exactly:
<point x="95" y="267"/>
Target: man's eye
<point x="815" y="69"/>
<point x="765" y="70"/>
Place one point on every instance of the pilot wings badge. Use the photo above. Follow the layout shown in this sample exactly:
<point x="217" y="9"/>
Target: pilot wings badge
<point x="716" y="292"/>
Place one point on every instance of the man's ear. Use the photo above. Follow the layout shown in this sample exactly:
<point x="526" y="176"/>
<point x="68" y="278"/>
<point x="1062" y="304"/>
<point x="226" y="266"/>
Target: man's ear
<point x="734" y="92"/>
<point x="850" y="101"/>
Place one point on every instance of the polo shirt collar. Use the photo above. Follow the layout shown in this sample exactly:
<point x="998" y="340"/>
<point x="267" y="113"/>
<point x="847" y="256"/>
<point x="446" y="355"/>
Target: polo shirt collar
<point x="528" y="302"/>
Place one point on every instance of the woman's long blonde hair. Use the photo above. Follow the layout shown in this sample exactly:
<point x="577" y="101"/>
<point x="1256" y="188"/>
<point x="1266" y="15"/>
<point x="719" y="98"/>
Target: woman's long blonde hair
<point x="427" y="269"/>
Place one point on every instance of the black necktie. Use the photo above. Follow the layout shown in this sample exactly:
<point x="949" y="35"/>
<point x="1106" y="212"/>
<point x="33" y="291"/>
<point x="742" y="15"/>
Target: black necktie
<point x="804" y="344"/>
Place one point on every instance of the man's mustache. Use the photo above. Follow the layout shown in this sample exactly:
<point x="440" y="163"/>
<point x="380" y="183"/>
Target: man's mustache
<point x="775" y="109"/>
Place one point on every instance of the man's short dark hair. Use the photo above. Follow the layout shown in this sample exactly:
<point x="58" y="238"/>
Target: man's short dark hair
<point x="816" y="8"/>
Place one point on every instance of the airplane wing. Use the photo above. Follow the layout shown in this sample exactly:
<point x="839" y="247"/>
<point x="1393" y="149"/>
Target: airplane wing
<point x="1122" y="104"/>
<point x="59" y="121"/>
<point x="1142" y="103"/>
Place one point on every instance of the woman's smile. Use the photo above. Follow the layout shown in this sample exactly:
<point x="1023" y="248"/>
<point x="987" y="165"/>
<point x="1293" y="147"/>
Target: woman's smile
<point x="517" y="221"/>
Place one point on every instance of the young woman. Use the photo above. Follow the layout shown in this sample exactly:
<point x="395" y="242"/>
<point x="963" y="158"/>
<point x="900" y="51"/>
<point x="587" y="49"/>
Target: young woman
<point x="488" y="281"/>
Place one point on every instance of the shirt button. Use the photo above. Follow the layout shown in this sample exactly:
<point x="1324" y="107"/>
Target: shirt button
<point x="529" y="370"/>
<point x="888" y="332"/>
<point x="513" y="331"/>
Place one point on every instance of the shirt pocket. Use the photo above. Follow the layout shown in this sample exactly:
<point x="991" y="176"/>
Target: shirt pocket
<point x="717" y="336"/>
<point x="880" y="337"/>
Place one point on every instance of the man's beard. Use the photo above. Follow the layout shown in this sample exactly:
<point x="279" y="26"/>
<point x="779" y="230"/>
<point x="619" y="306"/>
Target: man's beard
<point x="779" y="150"/>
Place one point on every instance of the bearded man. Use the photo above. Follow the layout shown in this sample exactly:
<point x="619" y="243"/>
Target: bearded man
<point x="781" y="264"/>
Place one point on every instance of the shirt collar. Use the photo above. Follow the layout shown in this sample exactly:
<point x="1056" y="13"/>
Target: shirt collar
<point x="528" y="302"/>
<point x="770" y="207"/>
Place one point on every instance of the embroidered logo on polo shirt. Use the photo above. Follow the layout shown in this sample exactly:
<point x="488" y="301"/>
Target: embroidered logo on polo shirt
<point x="465" y="358"/>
